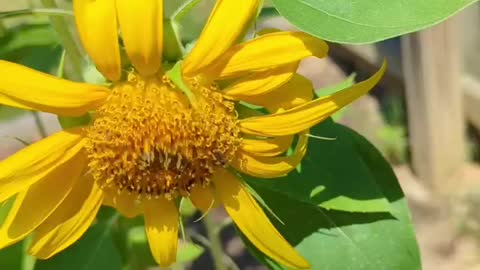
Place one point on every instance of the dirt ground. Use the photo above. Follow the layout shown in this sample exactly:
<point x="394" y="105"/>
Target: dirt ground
<point x="447" y="228"/>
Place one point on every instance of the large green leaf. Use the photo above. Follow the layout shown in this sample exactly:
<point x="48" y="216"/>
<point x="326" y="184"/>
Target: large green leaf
<point x="33" y="45"/>
<point x="96" y="249"/>
<point x="332" y="176"/>
<point x="10" y="257"/>
<point x="335" y="240"/>
<point x="363" y="21"/>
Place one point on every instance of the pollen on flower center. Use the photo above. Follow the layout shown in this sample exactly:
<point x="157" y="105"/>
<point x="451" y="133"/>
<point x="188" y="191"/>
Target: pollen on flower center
<point x="148" y="139"/>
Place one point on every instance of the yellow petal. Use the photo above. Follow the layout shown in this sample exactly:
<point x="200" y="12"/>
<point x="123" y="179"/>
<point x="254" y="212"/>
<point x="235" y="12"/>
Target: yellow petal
<point x="267" y="51"/>
<point x="37" y="161"/>
<point x="34" y="205"/>
<point x="309" y="114"/>
<point x="69" y="221"/>
<point x="29" y="89"/>
<point x="97" y="26"/>
<point x="297" y="91"/>
<point x="161" y="225"/>
<point x="268" y="147"/>
<point x="203" y="198"/>
<point x="228" y="21"/>
<point x="270" y="167"/>
<point x="126" y="204"/>
<point x="254" y="224"/>
<point x="141" y="23"/>
<point x="260" y="82"/>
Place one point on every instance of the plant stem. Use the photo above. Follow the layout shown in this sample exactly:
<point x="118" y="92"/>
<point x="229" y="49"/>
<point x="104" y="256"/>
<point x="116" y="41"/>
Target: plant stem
<point x="73" y="51"/>
<point x="184" y="9"/>
<point x="3" y="29"/>
<point x="30" y="11"/>
<point x="39" y="124"/>
<point x="215" y="243"/>
<point x="206" y="243"/>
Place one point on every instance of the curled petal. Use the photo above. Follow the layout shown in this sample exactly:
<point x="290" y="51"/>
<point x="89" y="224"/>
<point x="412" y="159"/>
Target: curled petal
<point x="97" y="26"/>
<point x="34" y="205"/>
<point x="37" y="161"/>
<point x="298" y="91"/>
<point x="260" y="83"/>
<point x="29" y="89"/>
<point x="161" y="225"/>
<point x="141" y="23"/>
<point x="271" y="167"/>
<point x="126" y="204"/>
<point x="69" y="221"/>
<point x="254" y="224"/>
<point x="267" y="51"/>
<point x="228" y="21"/>
<point x="267" y="147"/>
<point x="309" y="114"/>
<point x="203" y="198"/>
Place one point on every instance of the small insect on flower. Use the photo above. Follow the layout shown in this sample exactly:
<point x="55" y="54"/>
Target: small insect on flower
<point x="158" y="135"/>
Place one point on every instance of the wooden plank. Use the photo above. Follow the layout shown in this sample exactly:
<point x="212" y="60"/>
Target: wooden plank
<point x="431" y="63"/>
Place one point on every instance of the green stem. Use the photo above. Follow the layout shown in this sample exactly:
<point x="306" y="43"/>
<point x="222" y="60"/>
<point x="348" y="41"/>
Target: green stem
<point x="173" y="48"/>
<point x="73" y="51"/>
<point x="30" y="11"/>
<point x="206" y="243"/>
<point x="184" y="9"/>
<point x="39" y="124"/>
<point x="215" y="243"/>
<point x="3" y="29"/>
<point x="178" y="266"/>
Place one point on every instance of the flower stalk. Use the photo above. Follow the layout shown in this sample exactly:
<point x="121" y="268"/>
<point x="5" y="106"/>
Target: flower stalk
<point x="39" y="124"/>
<point x="215" y="242"/>
<point x="184" y="9"/>
<point x="74" y="54"/>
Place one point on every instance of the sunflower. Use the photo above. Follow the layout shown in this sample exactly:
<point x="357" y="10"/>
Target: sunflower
<point x="160" y="135"/>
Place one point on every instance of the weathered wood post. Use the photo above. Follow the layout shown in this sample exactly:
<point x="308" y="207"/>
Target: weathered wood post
<point x="431" y="63"/>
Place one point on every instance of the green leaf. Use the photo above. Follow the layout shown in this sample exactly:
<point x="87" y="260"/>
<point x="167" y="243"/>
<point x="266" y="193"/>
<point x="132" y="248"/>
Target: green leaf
<point x="364" y="21"/>
<point x="334" y="240"/>
<point x="94" y="251"/>
<point x="188" y="252"/>
<point x="33" y="45"/>
<point x="348" y="82"/>
<point x="267" y="13"/>
<point x="72" y="122"/>
<point x="138" y="250"/>
<point x="9" y="113"/>
<point x="333" y="176"/>
<point x="10" y="257"/>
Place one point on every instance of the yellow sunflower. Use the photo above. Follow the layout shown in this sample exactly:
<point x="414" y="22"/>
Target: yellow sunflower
<point x="155" y="139"/>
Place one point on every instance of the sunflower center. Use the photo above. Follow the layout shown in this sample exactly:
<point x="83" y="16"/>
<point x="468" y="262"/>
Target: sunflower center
<point x="150" y="140"/>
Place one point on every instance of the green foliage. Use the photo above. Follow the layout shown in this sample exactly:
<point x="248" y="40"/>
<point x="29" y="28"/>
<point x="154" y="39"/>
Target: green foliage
<point x="349" y="81"/>
<point x="95" y="250"/>
<point x="71" y="122"/>
<point x="332" y="239"/>
<point x="332" y="176"/>
<point x="365" y="21"/>
<point x="33" y="45"/>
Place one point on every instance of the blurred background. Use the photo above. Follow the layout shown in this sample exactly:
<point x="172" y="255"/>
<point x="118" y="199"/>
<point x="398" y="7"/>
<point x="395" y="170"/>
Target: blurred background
<point x="424" y="117"/>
